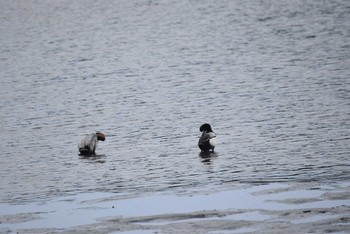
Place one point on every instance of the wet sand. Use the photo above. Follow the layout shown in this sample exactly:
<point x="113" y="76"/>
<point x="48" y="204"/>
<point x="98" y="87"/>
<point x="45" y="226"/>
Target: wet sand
<point x="272" y="208"/>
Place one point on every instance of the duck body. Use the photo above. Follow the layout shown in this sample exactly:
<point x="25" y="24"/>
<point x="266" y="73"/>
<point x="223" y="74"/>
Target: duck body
<point x="208" y="140"/>
<point x="88" y="144"/>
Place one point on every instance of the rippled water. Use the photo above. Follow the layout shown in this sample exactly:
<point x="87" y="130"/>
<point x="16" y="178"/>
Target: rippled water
<point x="272" y="78"/>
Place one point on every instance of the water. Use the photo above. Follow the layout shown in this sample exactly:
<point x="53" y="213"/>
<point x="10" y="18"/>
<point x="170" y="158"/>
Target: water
<point x="271" y="77"/>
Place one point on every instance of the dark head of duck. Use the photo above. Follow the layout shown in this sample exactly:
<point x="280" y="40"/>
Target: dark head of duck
<point x="205" y="127"/>
<point x="100" y="136"/>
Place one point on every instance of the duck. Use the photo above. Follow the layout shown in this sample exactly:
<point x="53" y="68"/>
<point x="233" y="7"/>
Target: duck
<point x="88" y="143"/>
<point x="208" y="140"/>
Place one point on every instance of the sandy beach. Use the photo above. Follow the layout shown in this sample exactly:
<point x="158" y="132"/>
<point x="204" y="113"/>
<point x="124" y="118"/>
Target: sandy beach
<point x="272" y="208"/>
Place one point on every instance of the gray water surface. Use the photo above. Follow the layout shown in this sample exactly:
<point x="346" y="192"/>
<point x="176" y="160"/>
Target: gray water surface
<point x="271" y="77"/>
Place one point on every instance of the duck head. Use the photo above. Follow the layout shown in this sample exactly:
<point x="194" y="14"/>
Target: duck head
<point x="100" y="136"/>
<point x="205" y="127"/>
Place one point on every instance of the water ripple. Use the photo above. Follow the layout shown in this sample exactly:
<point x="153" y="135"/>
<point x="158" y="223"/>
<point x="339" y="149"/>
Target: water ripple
<point x="272" y="79"/>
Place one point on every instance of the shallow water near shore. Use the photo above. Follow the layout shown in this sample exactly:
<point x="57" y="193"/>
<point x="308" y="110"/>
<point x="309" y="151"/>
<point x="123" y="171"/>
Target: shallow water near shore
<point x="251" y="209"/>
<point x="272" y="78"/>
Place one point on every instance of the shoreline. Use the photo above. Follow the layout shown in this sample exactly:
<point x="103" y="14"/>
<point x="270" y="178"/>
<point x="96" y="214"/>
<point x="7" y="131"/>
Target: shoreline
<point x="274" y="208"/>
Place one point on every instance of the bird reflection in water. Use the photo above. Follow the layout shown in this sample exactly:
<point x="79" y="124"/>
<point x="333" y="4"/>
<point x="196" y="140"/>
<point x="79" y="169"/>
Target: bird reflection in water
<point x="96" y="158"/>
<point x="208" y="157"/>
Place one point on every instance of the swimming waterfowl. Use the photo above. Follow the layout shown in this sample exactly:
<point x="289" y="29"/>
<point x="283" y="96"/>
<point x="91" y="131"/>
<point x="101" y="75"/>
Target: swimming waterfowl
<point x="207" y="141"/>
<point x="88" y="143"/>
